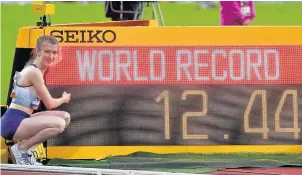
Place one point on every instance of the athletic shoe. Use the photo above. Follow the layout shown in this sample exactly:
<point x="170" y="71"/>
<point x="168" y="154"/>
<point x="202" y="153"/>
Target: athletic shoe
<point x="21" y="158"/>
<point x="32" y="158"/>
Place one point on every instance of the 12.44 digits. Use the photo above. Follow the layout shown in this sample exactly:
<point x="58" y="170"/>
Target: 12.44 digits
<point x="164" y="96"/>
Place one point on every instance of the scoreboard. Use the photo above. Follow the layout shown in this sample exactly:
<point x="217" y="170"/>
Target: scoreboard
<point x="178" y="89"/>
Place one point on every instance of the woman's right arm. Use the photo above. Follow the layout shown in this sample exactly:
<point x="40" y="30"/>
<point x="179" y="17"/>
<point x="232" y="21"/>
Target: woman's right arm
<point x="36" y="78"/>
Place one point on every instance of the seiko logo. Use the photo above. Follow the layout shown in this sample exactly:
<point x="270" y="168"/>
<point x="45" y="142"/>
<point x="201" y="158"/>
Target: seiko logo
<point x="84" y="36"/>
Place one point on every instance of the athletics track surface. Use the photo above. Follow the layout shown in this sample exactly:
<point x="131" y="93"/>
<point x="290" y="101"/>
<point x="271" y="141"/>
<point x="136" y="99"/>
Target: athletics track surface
<point x="262" y="171"/>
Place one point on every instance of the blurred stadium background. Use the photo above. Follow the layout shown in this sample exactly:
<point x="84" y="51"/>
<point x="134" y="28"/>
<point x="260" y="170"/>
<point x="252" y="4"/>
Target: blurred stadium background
<point x="18" y="14"/>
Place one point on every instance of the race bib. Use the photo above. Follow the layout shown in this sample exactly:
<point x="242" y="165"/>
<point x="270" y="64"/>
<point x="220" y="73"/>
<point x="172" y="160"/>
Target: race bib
<point x="36" y="103"/>
<point x="246" y="10"/>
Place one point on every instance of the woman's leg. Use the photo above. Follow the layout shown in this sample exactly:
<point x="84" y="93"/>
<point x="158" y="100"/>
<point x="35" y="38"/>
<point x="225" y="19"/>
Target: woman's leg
<point x="62" y="114"/>
<point x="36" y="130"/>
<point x="32" y="131"/>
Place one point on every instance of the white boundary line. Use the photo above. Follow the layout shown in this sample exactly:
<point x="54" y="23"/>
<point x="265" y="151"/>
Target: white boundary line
<point x="58" y="169"/>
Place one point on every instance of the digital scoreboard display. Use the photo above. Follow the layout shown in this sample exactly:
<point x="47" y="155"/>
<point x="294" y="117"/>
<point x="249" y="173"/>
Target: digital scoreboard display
<point x="178" y="94"/>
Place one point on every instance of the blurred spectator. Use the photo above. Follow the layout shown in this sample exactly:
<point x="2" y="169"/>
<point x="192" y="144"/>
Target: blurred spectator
<point x="239" y="13"/>
<point x="131" y="10"/>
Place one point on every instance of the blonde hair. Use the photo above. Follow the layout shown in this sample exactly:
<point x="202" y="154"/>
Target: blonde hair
<point x="42" y="40"/>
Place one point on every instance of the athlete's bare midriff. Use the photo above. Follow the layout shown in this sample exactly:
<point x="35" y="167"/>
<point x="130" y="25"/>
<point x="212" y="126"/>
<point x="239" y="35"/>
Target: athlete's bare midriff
<point x="21" y="108"/>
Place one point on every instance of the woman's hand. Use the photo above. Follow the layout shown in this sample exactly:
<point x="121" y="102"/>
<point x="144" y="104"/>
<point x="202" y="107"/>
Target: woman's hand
<point x="66" y="97"/>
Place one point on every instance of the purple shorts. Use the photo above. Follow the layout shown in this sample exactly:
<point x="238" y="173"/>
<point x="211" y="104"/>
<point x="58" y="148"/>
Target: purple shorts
<point x="10" y="122"/>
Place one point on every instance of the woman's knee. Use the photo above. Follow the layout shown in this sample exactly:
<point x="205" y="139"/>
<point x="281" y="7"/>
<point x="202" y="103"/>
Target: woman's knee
<point x="59" y="124"/>
<point x="63" y="115"/>
<point x="66" y="117"/>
